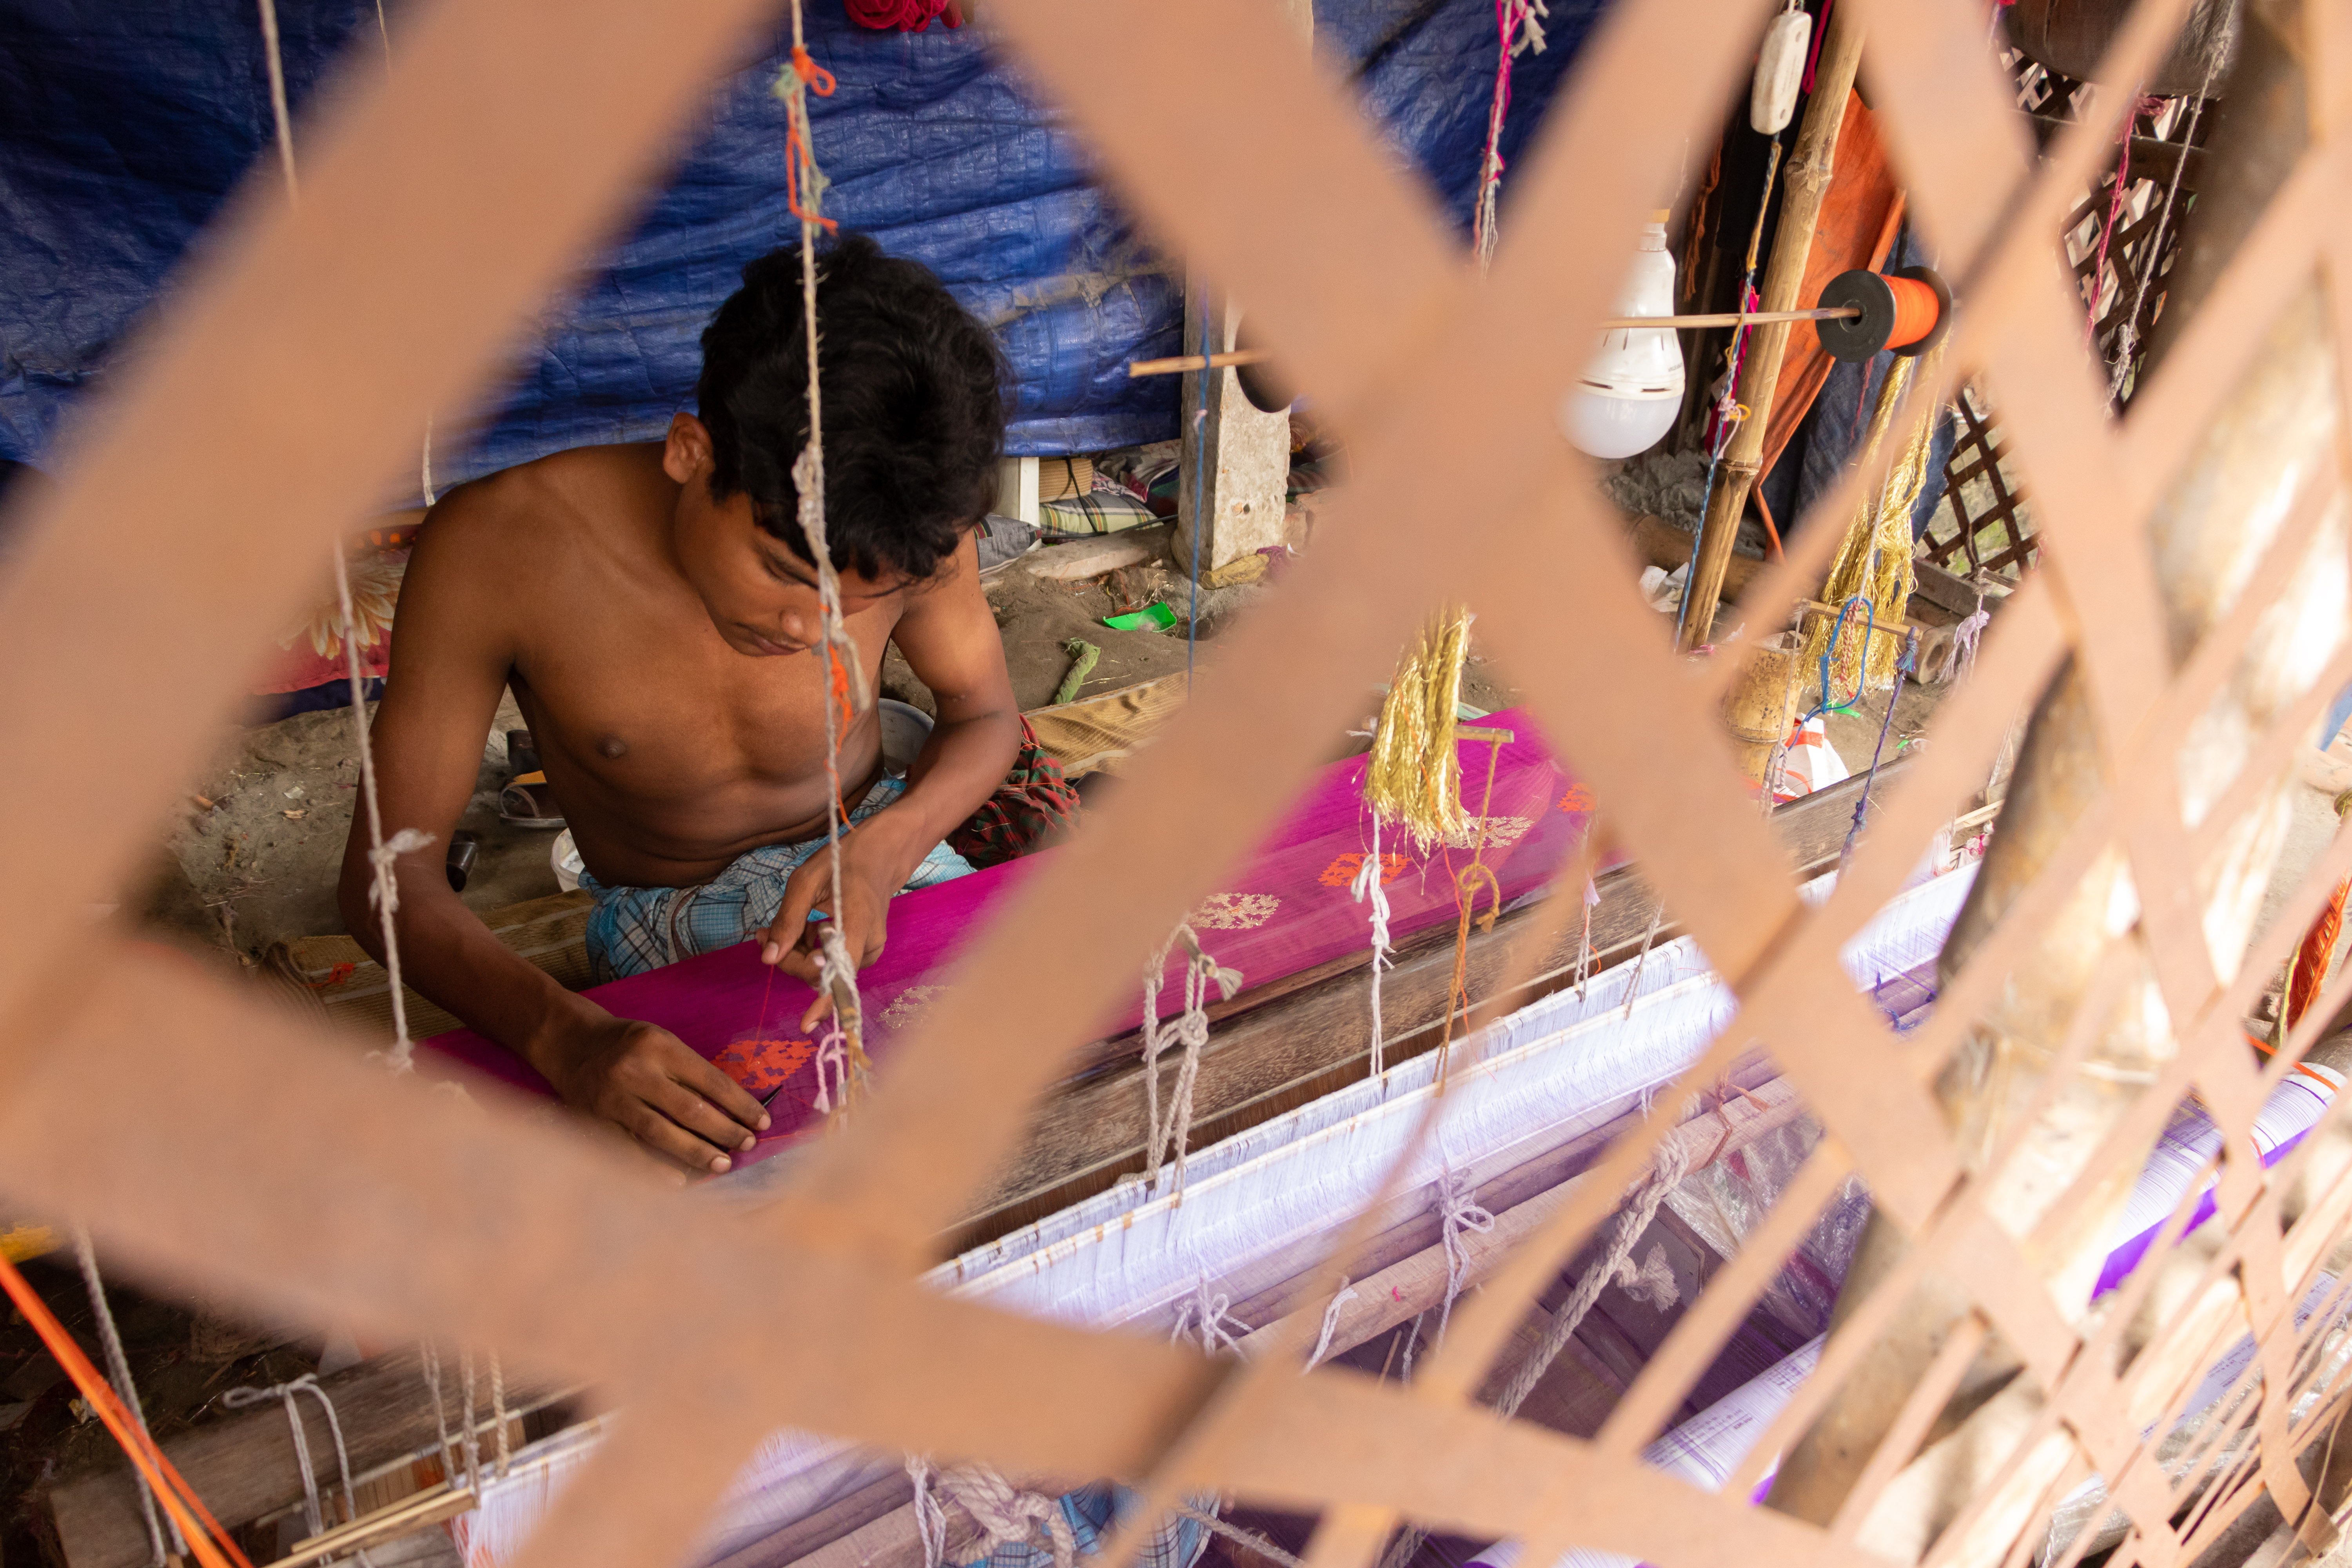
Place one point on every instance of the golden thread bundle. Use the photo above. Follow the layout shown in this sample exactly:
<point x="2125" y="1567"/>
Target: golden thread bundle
<point x="1414" y="777"/>
<point x="1875" y="562"/>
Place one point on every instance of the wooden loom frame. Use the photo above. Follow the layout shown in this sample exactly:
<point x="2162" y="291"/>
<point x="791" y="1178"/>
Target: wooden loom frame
<point x="212" y="1142"/>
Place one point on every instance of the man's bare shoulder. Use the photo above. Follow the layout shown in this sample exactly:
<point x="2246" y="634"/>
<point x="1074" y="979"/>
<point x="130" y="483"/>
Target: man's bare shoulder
<point x="565" y="498"/>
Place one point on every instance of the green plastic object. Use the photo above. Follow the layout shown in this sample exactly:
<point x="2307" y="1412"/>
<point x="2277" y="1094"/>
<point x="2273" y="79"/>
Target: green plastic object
<point x="1157" y="617"/>
<point x="1084" y="656"/>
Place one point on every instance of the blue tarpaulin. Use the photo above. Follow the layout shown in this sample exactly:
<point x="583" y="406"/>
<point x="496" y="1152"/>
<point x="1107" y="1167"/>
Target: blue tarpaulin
<point x="124" y="125"/>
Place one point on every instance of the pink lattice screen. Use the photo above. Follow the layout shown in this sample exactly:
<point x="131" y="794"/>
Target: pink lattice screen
<point x="214" y="1144"/>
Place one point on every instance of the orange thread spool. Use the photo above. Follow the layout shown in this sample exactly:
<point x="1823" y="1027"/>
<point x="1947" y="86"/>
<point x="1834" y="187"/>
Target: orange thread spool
<point x="1917" y="311"/>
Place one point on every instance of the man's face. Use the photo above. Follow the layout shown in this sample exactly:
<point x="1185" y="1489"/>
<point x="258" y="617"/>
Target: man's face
<point x="762" y="596"/>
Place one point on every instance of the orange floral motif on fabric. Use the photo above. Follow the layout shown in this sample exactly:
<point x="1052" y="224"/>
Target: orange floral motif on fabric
<point x="1341" y="873"/>
<point x="1578" y="798"/>
<point x="760" y="1066"/>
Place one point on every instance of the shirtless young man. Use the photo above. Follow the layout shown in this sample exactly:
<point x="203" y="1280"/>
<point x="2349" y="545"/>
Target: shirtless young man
<point x="653" y="609"/>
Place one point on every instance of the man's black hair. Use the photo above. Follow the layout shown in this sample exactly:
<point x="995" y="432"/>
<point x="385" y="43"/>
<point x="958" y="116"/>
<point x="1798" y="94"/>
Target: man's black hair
<point x="914" y="406"/>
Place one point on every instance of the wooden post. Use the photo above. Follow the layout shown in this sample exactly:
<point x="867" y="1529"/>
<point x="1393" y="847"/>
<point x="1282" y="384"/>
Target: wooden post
<point x="1807" y="178"/>
<point x="1235" y="475"/>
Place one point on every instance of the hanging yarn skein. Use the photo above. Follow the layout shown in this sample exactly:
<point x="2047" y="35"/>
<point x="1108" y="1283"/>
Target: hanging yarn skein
<point x="1414" y="777"/>
<point x="1874" y="563"/>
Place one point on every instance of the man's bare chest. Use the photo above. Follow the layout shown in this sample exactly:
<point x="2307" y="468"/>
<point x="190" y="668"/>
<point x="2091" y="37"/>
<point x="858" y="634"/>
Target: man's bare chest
<point x="655" y="714"/>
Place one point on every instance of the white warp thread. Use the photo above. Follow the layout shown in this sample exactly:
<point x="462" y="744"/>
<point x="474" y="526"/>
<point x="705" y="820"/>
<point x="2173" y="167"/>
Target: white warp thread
<point x="1550" y="1071"/>
<point x="312" y="1514"/>
<point x="1367" y="889"/>
<point x="1653" y="1283"/>
<point x="118" y="1372"/>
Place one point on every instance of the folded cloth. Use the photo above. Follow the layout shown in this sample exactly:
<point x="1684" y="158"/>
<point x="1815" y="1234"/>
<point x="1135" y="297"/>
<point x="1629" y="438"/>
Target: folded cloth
<point x="1035" y="799"/>
<point x="633" y="930"/>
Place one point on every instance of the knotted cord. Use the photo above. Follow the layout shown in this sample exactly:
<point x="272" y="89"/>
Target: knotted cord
<point x="1005" y="1514"/>
<point x="313" y="1513"/>
<point x="1206" y="1316"/>
<point x="384" y="890"/>
<point x="847" y="696"/>
<point x="1347" y="1293"/>
<point x="1458" y="1211"/>
<point x="1191" y="1030"/>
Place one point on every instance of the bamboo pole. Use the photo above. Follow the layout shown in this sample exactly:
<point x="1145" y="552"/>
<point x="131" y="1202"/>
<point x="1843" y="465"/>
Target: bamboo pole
<point x="1807" y="181"/>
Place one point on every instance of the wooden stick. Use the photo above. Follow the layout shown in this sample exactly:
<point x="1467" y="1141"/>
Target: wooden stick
<point x="1610" y="324"/>
<point x="1195" y="362"/>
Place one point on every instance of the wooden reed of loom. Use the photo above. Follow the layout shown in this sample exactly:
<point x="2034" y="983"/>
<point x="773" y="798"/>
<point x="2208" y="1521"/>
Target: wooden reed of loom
<point x="257" y="1163"/>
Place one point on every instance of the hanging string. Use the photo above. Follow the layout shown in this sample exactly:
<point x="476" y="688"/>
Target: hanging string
<point x="1458" y="1211"/>
<point x="468" y="1438"/>
<point x="429" y="1360"/>
<point x="1521" y="32"/>
<point x="313" y="1513"/>
<point x="2115" y="213"/>
<point x="847" y="696"/>
<point x="1584" y="946"/>
<point x="1466" y="885"/>
<point x="1191" y="1030"/>
<point x="1641" y="961"/>
<point x="1207" y="1316"/>
<point x="383" y="889"/>
<point x="1902" y="667"/>
<point x="117" y="1369"/>
<point x="1330" y="1325"/>
<point x="1368" y="888"/>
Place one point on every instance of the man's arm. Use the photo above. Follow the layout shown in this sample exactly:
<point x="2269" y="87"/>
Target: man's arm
<point x="950" y="640"/>
<point x="451" y="651"/>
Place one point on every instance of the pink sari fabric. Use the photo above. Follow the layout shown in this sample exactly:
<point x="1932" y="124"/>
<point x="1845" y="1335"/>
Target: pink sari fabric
<point x="1289" y="909"/>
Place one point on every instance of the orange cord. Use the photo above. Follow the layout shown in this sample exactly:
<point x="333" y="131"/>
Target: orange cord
<point x="2270" y="1050"/>
<point x="818" y="80"/>
<point x="171" y="1488"/>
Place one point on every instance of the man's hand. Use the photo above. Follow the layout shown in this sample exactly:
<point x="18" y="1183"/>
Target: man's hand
<point x="647" y="1081"/>
<point x="869" y="876"/>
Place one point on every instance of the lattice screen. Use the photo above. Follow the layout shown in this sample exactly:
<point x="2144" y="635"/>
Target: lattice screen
<point x="217" y="1145"/>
